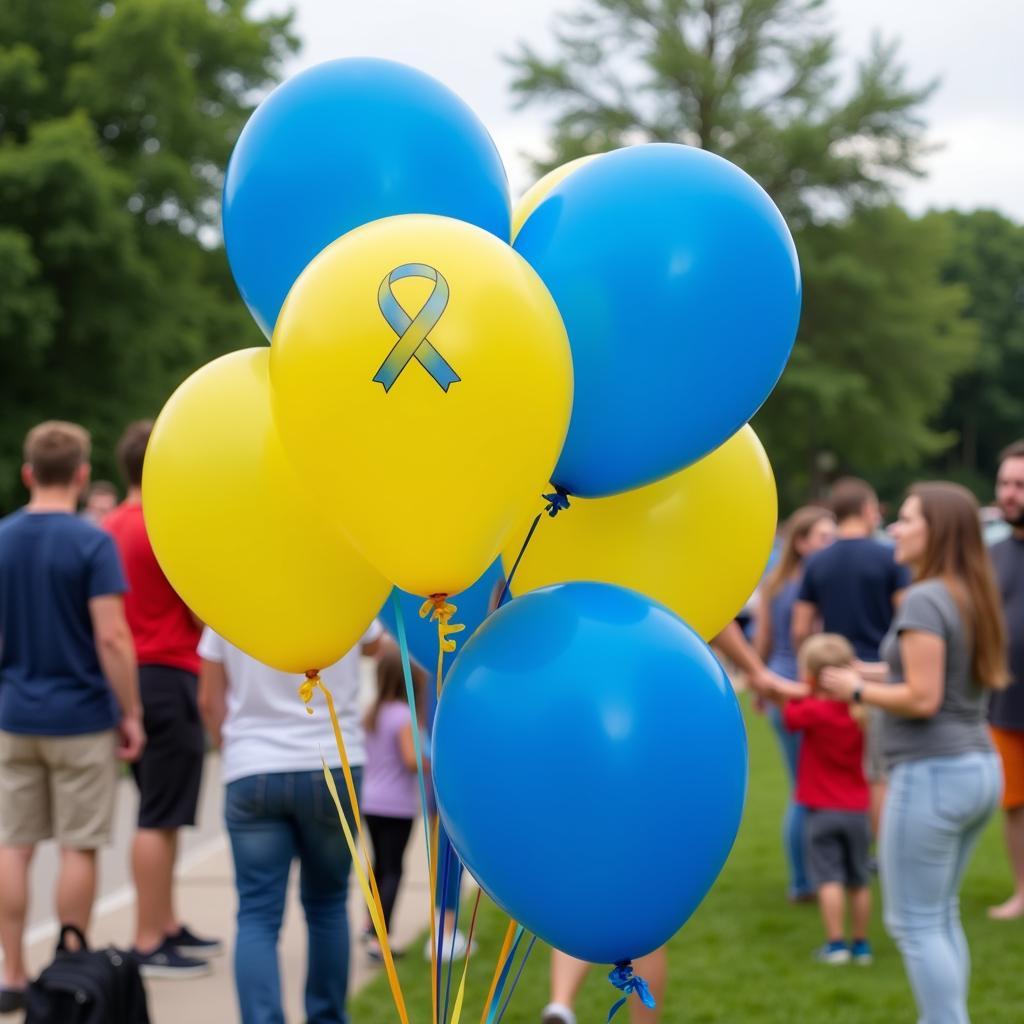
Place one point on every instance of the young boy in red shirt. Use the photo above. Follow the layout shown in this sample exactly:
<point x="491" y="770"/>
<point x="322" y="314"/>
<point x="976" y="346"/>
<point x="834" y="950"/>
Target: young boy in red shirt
<point x="830" y="783"/>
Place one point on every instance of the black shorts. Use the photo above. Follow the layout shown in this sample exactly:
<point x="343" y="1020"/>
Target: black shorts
<point x="171" y="767"/>
<point x="838" y="845"/>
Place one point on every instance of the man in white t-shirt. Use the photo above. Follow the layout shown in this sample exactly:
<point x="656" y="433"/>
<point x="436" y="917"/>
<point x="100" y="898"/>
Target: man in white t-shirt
<point x="277" y="807"/>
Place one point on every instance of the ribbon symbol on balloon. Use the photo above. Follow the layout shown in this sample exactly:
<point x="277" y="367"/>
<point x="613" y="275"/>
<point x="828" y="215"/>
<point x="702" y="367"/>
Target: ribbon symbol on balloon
<point x="413" y="341"/>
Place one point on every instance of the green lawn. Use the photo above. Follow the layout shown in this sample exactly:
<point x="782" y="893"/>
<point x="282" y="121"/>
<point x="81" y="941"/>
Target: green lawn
<point x="745" y="956"/>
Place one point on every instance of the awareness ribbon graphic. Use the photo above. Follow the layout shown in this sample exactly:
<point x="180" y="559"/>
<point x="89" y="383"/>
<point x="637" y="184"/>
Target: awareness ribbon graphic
<point x="413" y="342"/>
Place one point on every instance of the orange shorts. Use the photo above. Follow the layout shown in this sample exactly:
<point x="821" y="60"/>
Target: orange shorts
<point x="1010" y="744"/>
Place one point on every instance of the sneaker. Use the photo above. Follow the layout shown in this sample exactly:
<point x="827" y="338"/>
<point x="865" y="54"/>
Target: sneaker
<point x="861" y="953"/>
<point x="12" y="1000"/>
<point x="188" y="943"/>
<point x="452" y="948"/>
<point x="833" y="953"/>
<point x="557" y="1013"/>
<point x="166" y="962"/>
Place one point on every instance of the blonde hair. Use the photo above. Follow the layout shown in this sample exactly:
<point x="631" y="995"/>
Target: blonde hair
<point x="55" y="450"/>
<point x="824" y="650"/>
<point x="798" y="527"/>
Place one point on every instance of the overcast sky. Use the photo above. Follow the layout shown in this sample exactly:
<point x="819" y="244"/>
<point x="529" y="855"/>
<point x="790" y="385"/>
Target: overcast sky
<point x="976" y="48"/>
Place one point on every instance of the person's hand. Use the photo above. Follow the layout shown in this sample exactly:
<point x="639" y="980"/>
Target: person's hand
<point x="131" y="737"/>
<point x="839" y="682"/>
<point x="872" y="671"/>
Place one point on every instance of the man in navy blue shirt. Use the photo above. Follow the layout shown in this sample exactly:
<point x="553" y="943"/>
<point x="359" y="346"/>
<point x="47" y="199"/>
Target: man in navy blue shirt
<point x="69" y="699"/>
<point x="852" y="588"/>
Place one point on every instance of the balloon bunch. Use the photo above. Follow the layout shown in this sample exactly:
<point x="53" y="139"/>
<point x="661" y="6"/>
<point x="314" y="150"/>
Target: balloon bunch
<point x="437" y="365"/>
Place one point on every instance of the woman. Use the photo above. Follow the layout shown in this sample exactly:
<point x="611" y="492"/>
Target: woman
<point x="945" y="651"/>
<point x="807" y="530"/>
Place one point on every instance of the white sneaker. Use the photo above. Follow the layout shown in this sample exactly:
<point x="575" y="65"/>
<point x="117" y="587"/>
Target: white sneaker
<point x="557" y="1013"/>
<point x="452" y="947"/>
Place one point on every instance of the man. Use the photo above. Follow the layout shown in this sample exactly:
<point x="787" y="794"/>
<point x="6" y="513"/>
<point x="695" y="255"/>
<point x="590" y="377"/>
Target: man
<point x="170" y="770"/>
<point x="852" y="588"/>
<point x="68" y="689"/>
<point x="1006" y="711"/>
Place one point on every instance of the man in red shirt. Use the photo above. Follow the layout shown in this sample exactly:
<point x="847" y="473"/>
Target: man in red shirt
<point x="830" y="783"/>
<point x="169" y="773"/>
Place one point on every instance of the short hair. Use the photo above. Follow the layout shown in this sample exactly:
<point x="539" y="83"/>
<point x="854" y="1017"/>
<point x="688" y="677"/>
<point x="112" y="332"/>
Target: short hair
<point x="101" y="487"/>
<point x="848" y="497"/>
<point x="55" y="450"/>
<point x="1012" y="451"/>
<point x="824" y="650"/>
<point x="131" y="451"/>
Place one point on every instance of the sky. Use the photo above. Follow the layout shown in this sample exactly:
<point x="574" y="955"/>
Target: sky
<point x="974" y="48"/>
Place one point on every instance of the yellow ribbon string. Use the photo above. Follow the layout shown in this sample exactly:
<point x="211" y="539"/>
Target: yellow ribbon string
<point x="367" y="881"/>
<point x="502" y="956"/>
<point x="440" y="610"/>
<point x="457" y="1009"/>
<point x="435" y="996"/>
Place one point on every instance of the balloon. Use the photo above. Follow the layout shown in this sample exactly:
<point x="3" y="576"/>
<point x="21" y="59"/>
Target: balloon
<point x="538" y="190"/>
<point x="473" y="606"/>
<point x="422" y="384"/>
<point x="678" y="282"/>
<point x="235" y="533"/>
<point x="697" y="541"/>
<point x="341" y="144"/>
<point x="590" y="764"/>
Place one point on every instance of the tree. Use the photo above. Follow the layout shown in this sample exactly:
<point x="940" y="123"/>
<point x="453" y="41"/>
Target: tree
<point x="757" y="82"/>
<point x="116" y="120"/>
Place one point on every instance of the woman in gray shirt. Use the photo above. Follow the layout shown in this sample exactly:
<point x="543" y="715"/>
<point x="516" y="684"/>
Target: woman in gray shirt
<point x="945" y="651"/>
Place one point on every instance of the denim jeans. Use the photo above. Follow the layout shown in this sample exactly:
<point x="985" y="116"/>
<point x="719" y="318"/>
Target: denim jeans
<point x="271" y="820"/>
<point x="794" y="822"/>
<point x="934" y="814"/>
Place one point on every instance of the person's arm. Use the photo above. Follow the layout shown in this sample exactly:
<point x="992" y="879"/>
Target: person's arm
<point x="763" y="627"/>
<point x="116" y="654"/>
<point x="805" y="615"/>
<point x="920" y="694"/>
<point x="872" y="671"/>
<point x="213" y="698"/>
<point x="407" y="748"/>
<point x="733" y="644"/>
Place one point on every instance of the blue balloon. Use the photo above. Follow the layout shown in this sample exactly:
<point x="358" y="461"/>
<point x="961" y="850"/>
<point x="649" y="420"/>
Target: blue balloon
<point x="678" y="282"/>
<point x="421" y="634"/>
<point x="590" y="763"/>
<point x="339" y="145"/>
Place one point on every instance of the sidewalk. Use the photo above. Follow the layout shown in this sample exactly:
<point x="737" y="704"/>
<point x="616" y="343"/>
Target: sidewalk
<point x="206" y="901"/>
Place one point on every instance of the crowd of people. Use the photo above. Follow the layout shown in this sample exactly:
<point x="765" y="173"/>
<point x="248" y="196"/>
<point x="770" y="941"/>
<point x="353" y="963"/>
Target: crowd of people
<point x="891" y="668"/>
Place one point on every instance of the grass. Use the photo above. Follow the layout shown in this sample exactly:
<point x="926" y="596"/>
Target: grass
<point x="745" y="956"/>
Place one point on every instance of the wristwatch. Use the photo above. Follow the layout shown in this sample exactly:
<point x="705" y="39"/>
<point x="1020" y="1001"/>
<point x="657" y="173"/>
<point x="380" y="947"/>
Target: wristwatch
<point x="858" y="693"/>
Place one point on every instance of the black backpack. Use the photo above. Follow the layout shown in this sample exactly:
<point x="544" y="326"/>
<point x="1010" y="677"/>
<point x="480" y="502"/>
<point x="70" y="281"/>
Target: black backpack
<point x="86" y="986"/>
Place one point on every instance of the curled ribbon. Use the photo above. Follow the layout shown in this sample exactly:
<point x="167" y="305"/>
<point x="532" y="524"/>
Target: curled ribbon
<point x="623" y="978"/>
<point x="439" y="610"/>
<point x="557" y="502"/>
<point x="412" y="332"/>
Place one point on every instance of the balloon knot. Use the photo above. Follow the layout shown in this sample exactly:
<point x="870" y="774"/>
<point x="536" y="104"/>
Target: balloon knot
<point x="623" y="978"/>
<point x="307" y="688"/>
<point x="557" y="502"/>
<point x="440" y="610"/>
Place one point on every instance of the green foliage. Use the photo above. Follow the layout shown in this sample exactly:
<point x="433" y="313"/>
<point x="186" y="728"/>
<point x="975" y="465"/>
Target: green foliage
<point x="116" y="120"/>
<point x="882" y="333"/>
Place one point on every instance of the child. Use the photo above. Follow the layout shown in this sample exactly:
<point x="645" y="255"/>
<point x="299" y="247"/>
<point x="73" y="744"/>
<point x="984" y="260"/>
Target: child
<point x="830" y="783"/>
<point x="390" y="795"/>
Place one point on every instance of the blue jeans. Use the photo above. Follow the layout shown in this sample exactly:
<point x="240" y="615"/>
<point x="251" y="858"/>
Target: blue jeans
<point x="271" y="820"/>
<point x="934" y="814"/>
<point x="794" y="822"/>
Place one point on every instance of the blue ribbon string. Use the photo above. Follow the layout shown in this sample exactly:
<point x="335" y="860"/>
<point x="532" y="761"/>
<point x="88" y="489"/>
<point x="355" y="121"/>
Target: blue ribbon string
<point x="410" y="694"/>
<point x="438" y="939"/>
<point x="557" y="502"/>
<point x="413" y="341"/>
<point x="623" y="978"/>
<point x="492" y="1011"/>
<point x="515" y="981"/>
<point x="455" y="928"/>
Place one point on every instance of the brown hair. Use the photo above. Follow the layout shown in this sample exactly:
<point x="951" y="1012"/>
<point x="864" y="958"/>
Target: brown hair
<point x="101" y="487"/>
<point x="1012" y="451"/>
<point x="824" y="650"/>
<point x="797" y="527"/>
<point x="391" y="683"/>
<point x="131" y="451"/>
<point x="848" y="497"/>
<point x="54" y="450"/>
<point x="956" y="553"/>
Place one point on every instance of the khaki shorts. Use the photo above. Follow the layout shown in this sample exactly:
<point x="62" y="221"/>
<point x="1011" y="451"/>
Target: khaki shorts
<point x="57" y="786"/>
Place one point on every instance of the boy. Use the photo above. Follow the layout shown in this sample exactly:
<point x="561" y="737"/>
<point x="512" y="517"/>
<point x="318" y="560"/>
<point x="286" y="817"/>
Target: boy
<point x="830" y="783"/>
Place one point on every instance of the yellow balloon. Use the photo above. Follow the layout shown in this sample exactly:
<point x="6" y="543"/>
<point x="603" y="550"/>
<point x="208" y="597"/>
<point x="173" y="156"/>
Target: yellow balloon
<point x="533" y="196"/>
<point x="422" y="385"/>
<point x="697" y="541"/>
<point x="237" y="536"/>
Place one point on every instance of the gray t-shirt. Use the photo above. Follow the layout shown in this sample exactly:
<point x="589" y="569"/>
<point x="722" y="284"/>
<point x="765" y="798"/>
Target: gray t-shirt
<point x="959" y="726"/>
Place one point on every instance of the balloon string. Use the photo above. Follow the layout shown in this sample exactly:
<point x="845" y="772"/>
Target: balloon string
<point x="455" y="928"/>
<point x="511" y="932"/>
<point x="556" y="502"/>
<point x="623" y="978"/>
<point x="367" y="881"/>
<point x="508" y="956"/>
<point x="440" y="610"/>
<point x="457" y="1009"/>
<point x="515" y="981"/>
